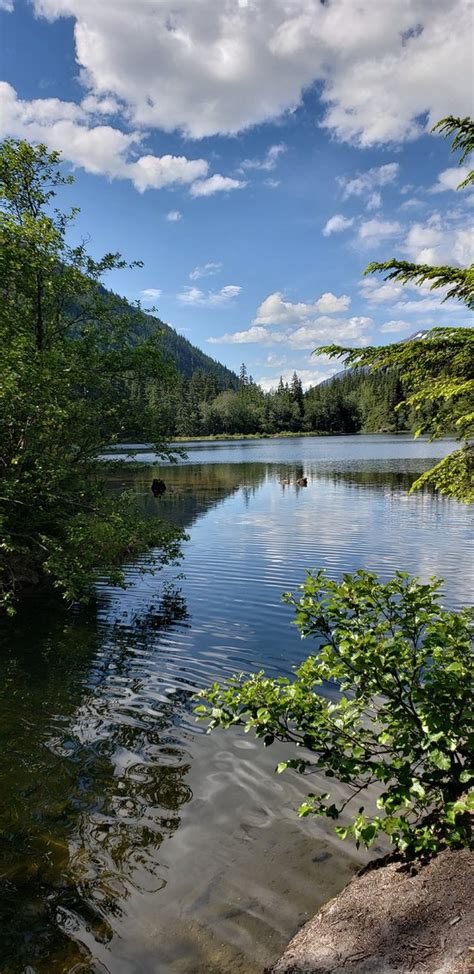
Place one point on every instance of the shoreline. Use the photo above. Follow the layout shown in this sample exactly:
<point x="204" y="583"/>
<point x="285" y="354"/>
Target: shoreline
<point x="285" y="435"/>
<point x="392" y="917"/>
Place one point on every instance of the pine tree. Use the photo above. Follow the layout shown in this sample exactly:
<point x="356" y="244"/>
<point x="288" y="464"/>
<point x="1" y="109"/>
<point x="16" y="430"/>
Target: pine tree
<point x="243" y="375"/>
<point x="439" y="370"/>
<point x="297" y="392"/>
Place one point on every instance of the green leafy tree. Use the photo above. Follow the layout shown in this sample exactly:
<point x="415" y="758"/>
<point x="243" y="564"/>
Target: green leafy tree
<point x="401" y="719"/>
<point x="437" y="372"/>
<point x="69" y="360"/>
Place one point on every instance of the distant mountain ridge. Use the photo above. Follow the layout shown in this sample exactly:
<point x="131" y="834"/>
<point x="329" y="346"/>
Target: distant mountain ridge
<point x="417" y="335"/>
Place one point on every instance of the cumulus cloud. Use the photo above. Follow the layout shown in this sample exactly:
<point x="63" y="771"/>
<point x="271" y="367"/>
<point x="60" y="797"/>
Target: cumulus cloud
<point x="208" y="68"/>
<point x="7" y="6"/>
<point x="99" y="149"/>
<point x="299" y="325"/>
<point x="173" y="216"/>
<point x="209" y="299"/>
<point x="450" y="179"/>
<point x="405" y="298"/>
<point x="275" y="311"/>
<point x="336" y="224"/>
<point x="324" y="329"/>
<point x="100" y="106"/>
<point x="153" y="172"/>
<point x="440" y="241"/>
<point x="316" y="332"/>
<point x="371" y="232"/>
<point x="376" y="292"/>
<point x="216" y="184"/>
<point x="205" y="270"/>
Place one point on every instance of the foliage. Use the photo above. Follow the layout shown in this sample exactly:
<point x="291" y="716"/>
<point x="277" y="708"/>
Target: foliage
<point x="386" y="702"/>
<point x="437" y="371"/>
<point x="463" y="130"/>
<point x="350" y="403"/>
<point x="458" y="282"/>
<point x="68" y="356"/>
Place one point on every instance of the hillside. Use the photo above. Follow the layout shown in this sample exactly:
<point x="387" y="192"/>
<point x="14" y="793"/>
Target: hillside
<point x="186" y="356"/>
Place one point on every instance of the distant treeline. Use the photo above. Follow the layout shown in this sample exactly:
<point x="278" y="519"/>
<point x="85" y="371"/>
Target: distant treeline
<point x="351" y="403"/>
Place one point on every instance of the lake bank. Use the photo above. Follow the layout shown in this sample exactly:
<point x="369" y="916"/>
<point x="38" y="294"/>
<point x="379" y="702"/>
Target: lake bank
<point x="393" y="918"/>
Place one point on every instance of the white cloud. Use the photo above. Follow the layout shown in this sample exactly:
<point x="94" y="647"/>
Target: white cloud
<point x="208" y="68"/>
<point x="152" y="172"/>
<point x="269" y="161"/>
<point x="174" y="216"/>
<point x="405" y="298"/>
<point x="324" y="329"/>
<point x="450" y="179"/>
<point x="216" y="184"/>
<point x="99" y="149"/>
<point x="151" y="293"/>
<point x="205" y="270"/>
<point x="254" y="334"/>
<point x="7" y="6"/>
<point x="210" y="299"/>
<point x="276" y="361"/>
<point x="309" y="377"/>
<point x="440" y="241"/>
<point x="308" y="336"/>
<point x="275" y="311"/>
<point x="100" y="106"/>
<point x="336" y="224"/>
<point x="367" y="183"/>
<point x="395" y="326"/>
<point x="421" y="305"/>
<point x="374" y="201"/>
<point x="376" y="292"/>
<point x="371" y="232"/>
<point x="412" y="203"/>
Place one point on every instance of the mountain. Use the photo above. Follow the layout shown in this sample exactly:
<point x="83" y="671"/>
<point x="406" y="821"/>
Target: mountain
<point x="339" y="375"/>
<point x="186" y="357"/>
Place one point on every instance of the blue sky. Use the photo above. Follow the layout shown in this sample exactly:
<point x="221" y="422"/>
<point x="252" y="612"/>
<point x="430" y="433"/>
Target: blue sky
<point x="255" y="155"/>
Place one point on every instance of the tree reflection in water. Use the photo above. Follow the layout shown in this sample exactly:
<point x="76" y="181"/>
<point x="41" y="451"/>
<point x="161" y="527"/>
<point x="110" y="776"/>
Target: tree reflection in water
<point x="92" y="781"/>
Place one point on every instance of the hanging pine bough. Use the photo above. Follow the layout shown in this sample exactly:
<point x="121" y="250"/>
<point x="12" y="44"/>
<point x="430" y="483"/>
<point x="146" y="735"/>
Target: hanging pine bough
<point x="437" y="369"/>
<point x="401" y="719"/>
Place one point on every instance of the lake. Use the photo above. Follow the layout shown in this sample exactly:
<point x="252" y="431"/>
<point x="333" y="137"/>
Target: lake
<point x="131" y="841"/>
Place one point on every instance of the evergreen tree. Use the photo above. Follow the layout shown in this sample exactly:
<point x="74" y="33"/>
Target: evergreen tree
<point x="297" y="392"/>
<point x="437" y="372"/>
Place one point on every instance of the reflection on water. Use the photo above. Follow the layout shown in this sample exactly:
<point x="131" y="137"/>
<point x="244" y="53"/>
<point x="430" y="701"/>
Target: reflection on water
<point x="131" y="841"/>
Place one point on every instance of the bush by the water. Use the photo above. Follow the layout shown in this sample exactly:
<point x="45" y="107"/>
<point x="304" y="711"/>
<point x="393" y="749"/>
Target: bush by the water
<point x="385" y="702"/>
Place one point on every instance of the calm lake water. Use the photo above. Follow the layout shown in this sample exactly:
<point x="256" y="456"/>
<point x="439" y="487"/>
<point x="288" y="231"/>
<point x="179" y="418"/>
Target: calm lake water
<point x="131" y="842"/>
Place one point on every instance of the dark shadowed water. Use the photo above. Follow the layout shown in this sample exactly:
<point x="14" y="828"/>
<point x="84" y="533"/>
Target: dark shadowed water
<point x="130" y="840"/>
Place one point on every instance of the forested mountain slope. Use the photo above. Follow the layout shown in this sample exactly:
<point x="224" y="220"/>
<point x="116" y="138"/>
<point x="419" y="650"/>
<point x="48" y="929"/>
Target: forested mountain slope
<point x="186" y="357"/>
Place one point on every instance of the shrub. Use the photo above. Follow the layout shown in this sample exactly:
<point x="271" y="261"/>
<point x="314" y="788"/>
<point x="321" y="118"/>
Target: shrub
<point x="385" y="702"/>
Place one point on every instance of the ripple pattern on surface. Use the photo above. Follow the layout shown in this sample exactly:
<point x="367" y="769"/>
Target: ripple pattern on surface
<point x="139" y="844"/>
